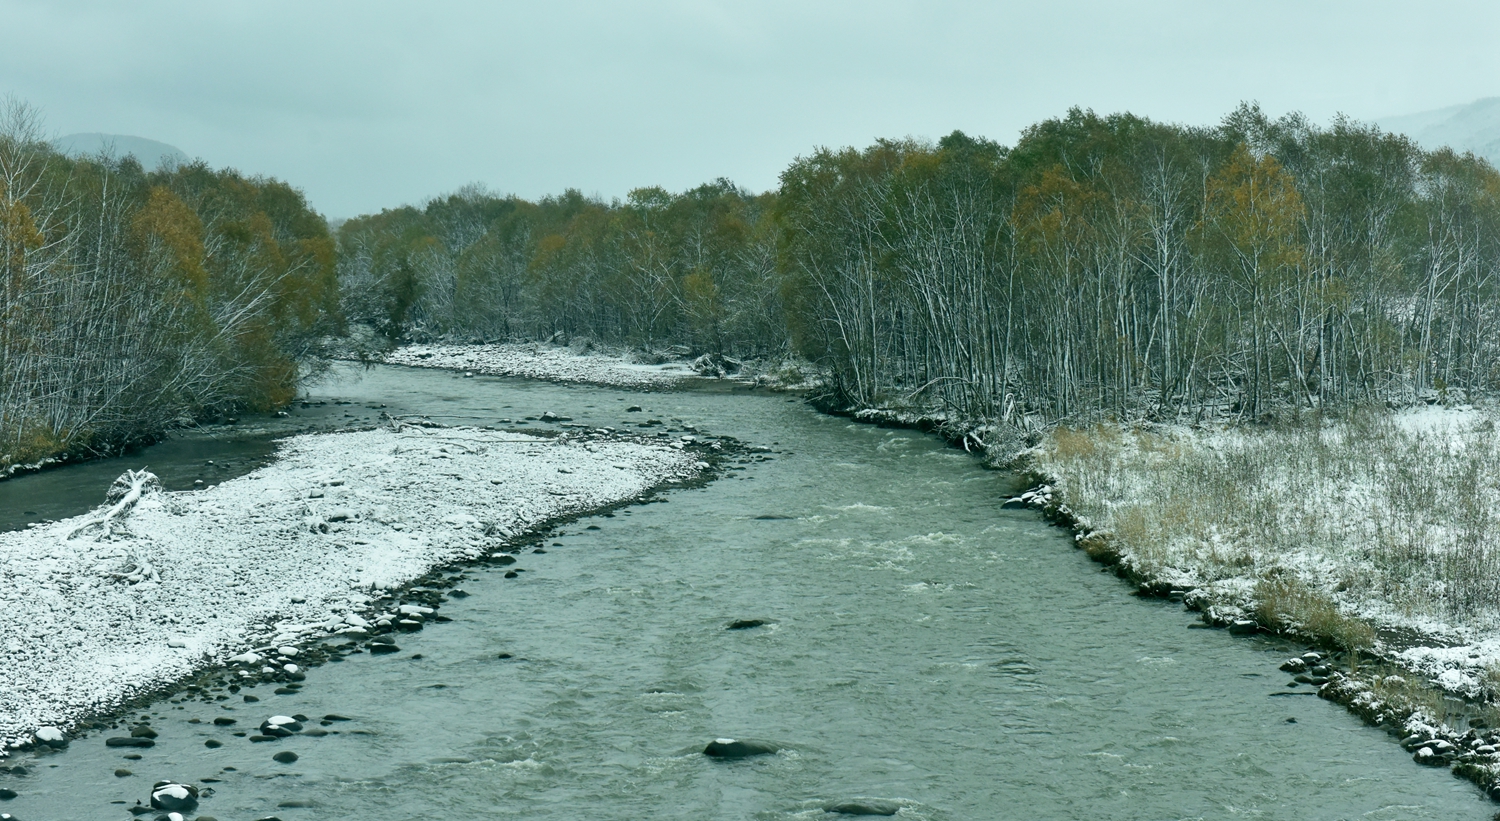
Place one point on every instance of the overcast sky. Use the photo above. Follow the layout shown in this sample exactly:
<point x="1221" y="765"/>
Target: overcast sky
<point x="365" y="105"/>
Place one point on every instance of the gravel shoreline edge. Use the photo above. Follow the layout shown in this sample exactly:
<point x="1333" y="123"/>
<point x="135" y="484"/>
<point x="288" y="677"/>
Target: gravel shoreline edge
<point x="219" y="670"/>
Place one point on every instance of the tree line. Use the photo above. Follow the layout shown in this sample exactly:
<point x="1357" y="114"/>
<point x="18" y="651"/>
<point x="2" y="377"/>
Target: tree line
<point x="1102" y="265"/>
<point x="696" y="269"/>
<point x="132" y="301"/>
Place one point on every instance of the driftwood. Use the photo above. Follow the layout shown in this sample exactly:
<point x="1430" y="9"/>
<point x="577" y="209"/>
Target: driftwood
<point x="124" y="493"/>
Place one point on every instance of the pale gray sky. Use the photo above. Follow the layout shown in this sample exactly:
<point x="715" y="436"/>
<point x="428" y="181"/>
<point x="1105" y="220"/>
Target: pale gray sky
<point x="365" y="105"/>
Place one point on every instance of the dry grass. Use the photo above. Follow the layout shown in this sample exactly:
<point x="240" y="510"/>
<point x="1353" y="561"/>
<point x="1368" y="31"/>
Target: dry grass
<point x="1288" y="605"/>
<point x="1368" y="515"/>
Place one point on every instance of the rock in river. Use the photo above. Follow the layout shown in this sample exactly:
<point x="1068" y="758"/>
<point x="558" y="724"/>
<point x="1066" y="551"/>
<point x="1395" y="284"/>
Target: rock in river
<point x="280" y="726"/>
<point x="284" y="757"/>
<point x="746" y="624"/>
<point x="865" y="806"/>
<point x="729" y="748"/>
<point x="172" y="797"/>
<point x="1243" y="627"/>
<point x="129" y="742"/>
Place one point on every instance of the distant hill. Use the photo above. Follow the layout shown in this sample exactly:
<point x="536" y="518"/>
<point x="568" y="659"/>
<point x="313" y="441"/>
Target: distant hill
<point x="149" y="153"/>
<point x="1473" y="127"/>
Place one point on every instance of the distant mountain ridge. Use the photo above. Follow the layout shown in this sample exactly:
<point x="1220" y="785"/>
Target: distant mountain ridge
<point x="149" y="153"/>
<point x="1473" y="127"/>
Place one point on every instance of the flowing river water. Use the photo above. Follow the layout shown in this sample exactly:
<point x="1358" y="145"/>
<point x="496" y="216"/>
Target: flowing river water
<point x="923" y="646"/>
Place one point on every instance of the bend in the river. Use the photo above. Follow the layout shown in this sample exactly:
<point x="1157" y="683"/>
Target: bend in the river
<point x="920" y="646"/>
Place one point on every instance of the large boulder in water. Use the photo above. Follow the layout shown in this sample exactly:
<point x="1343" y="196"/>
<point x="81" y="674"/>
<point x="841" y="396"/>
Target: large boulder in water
<point x="729" y="748"/>
<point x="864" y="806"/>
<point x="173" y="797"/>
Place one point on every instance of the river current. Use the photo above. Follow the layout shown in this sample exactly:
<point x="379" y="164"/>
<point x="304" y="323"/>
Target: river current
<point x="922" y="646"/>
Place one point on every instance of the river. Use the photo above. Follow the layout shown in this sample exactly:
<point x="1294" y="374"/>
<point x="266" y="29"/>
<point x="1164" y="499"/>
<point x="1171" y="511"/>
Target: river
<point x="921" y="646"/>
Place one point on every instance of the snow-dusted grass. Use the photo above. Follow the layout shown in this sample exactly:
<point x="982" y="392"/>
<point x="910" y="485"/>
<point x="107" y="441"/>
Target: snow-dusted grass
<point x="1380" y="520"/>
<point x="92" y="615"/>
<point x="543" y="361"/>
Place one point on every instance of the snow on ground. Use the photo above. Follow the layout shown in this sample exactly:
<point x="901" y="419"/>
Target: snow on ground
<point x="293" y="549"/>
<point x="1392" y="518"/>
<point x="540" y="361"/>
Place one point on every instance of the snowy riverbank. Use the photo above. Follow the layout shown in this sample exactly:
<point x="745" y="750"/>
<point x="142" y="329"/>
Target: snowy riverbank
<point x="1390" y="518"/>
<point x="542" y="361"/>
<point x="1375" y="537"/>
<point x="605" y="366"/>
<point x="95" y="615"/>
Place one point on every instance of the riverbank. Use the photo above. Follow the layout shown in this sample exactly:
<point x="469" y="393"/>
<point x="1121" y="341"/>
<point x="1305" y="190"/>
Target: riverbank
<point x="543" y="361"/>
<point x="100" y="609"/>
<point x="1370" y="537"/>
<point x="589" y="364"/>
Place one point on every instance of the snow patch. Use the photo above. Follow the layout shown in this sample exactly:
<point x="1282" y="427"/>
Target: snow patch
<point x="93" y="604"/>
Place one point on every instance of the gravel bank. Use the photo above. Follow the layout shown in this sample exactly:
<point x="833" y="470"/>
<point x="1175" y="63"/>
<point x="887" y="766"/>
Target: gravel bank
<point x="541" y="361"/>
<point x="95" y="614"/>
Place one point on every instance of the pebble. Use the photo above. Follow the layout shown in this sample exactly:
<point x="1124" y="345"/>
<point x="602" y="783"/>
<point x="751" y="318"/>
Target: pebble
<point x="213" y="743"/>
<point x="123" y="773"/>
<point x="284" y="757"/>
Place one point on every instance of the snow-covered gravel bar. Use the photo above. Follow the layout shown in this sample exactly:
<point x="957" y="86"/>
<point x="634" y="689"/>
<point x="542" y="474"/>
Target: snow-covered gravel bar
<point x="93" y="615"/>
<point x="542" y="361"/>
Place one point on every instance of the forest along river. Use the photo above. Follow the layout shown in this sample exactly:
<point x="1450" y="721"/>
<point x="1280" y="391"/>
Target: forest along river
<point x="923" y="646"/>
